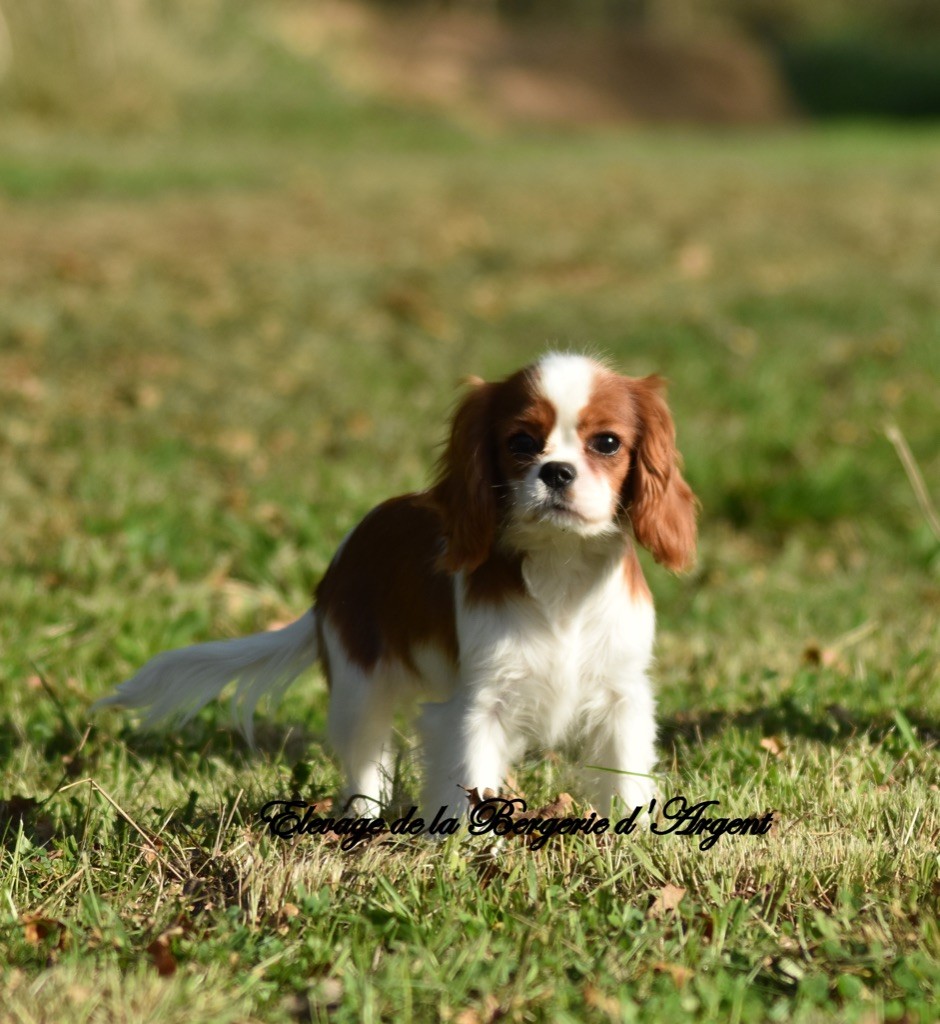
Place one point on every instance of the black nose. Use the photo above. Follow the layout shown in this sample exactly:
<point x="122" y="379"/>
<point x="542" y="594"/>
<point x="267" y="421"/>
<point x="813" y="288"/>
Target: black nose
<point x="557" y="475"/>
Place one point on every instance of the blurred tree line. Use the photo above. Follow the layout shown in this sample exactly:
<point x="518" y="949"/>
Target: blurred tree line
<point x="775" y="18"/>
<point x="837" y="57"/>
<point x="115" y="58"/>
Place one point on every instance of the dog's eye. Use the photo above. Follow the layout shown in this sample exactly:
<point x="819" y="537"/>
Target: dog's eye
<point x="524" y="445"/>
<point x="605" y="444"/>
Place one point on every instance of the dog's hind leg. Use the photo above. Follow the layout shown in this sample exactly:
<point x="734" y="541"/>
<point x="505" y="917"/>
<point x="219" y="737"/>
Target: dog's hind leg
<point x="359" y="726"/>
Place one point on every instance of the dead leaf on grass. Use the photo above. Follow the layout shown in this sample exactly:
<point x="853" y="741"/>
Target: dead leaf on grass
<point x="487" y="1013"/>
<point x="475" y="797"/>
<point x="773" y="745"/>
<point x="775" y="820"/>
<point x="152" y="850"/>
<point x="599" y="1000"/>
<point x="824" y="657"/>
<point x="679" y="974"/>
<point x="559" y="808"/>
<point x="668" y="899"/>
<point x="37" y="928"/>
<point x="162" y="957"/>
<point x="812" y="654"/>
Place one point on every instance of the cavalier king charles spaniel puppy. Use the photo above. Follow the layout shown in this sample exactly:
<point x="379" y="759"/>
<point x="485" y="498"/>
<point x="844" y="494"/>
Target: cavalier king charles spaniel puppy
<point x="508" y="598"/>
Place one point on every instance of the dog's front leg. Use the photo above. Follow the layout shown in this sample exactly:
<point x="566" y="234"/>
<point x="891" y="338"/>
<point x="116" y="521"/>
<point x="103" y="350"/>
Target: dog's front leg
<point x="466" y="747"/>
<point x="620" y="748"/>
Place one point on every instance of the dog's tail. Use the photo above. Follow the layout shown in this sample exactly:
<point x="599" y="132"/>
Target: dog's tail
<point x="176" y="684"/>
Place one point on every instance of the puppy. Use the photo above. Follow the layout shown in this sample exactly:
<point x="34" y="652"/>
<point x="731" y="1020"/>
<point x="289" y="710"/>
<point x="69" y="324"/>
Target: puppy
<point x="508" y="598"/>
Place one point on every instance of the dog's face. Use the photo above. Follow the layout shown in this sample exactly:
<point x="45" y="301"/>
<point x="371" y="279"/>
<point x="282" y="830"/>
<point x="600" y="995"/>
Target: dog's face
<point x="566" y="454"/>
<point x="564" y="446"/>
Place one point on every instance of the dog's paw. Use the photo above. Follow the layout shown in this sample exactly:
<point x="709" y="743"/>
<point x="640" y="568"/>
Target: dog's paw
<point x="637" y="796"/>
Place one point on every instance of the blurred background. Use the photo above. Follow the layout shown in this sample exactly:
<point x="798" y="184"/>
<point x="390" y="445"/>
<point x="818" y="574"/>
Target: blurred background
<point x="713" y="61"/>
<point x="247" y="251"/>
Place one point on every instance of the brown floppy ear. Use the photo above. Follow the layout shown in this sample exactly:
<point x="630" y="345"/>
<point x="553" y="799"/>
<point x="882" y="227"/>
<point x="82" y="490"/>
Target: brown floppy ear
<point x="465" y="488"/>
<point x="661" y="505"/>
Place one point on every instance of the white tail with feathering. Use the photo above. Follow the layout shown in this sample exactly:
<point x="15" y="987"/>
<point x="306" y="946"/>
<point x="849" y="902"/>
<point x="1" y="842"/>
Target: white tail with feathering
<point x="176" y="684"/>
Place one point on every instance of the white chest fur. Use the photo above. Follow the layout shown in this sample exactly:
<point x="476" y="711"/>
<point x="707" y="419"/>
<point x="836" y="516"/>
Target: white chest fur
<point x="546" y="665"/>
<point x="566" y="661"/>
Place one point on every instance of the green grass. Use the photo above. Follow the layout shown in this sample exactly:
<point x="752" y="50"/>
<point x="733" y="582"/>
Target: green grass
<point x="223" y="341"/>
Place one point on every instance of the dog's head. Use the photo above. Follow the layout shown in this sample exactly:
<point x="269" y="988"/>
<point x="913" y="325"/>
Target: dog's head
<point x="565" y="446"/>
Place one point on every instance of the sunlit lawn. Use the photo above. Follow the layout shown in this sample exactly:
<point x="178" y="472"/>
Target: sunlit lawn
<point x="223" y="341"/>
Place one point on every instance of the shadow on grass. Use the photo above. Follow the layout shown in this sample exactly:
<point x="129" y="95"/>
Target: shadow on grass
<point x="834" y="724"/>
<point x="207" y="739"/>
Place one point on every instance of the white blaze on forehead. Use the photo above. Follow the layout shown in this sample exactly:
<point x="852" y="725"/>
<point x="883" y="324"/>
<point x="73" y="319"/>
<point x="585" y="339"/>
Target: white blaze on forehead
<point x="567" y="382"/>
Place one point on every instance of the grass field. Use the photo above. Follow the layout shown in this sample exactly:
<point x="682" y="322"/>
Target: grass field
<point x="223" y="339"/>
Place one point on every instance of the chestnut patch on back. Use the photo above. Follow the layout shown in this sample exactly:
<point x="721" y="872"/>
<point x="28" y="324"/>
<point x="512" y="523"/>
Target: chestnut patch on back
<point x="384" y="592"/>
